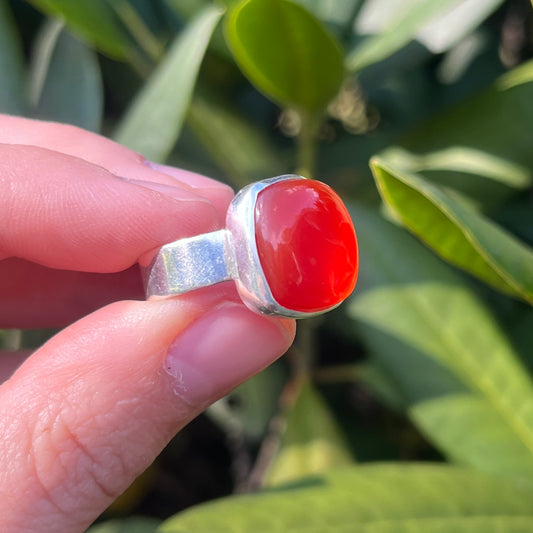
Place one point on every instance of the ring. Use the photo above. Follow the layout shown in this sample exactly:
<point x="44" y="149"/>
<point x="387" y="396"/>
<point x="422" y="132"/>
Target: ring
<point x="289" y="245"/>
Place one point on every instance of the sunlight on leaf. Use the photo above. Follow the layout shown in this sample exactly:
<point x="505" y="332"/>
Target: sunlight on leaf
<point x="285" y="52"/>
<point x="469" y="431"/>
<point x="464" y="160"/>
<point x="440" y="35"/>
<point x="375" y="499"/>
<point x="457" y="232"/>
<point x="129" y="525"/>
<point x="402" y="29"/>
<point x="436" y="337"/>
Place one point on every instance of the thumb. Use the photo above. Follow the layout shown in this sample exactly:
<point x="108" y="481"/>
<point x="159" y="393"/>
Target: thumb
<point x="93" y="407"/>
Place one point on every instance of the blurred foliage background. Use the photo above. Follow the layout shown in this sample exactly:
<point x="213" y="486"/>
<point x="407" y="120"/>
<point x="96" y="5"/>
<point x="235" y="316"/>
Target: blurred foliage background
<point x="409" y="408"/>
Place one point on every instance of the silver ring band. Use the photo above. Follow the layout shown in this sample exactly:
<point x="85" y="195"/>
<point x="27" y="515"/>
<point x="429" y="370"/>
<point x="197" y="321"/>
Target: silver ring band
<point x="191" y="263"/>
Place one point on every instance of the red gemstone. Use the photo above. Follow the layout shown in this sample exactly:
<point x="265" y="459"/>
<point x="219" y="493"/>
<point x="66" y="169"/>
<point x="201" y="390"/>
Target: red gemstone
<point x="306" y="244"/>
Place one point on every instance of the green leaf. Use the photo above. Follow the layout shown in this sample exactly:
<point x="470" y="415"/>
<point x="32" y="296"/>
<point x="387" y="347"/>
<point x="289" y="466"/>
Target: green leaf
<point x="457" y="232"/>
<point x="392" y="24"/>
<point x="372" y="499"/>
<point x="471" y="432"/>
<point x="129" y="525"/>
<point x="236" y="145"/>
<point x="65" y="82"/>
<point x="94" y="21"/>
<point x="403" y="28"/>
<point x="285" y="52"/>
<point x="12" y="81"/>
<point x="312" y="443"/>
<point x="489" y="129"/>
<point x="436" y="338"/>
<point x="465" y="161"/>
<point x="458" y="23"/>
<point x="153" y="122"/>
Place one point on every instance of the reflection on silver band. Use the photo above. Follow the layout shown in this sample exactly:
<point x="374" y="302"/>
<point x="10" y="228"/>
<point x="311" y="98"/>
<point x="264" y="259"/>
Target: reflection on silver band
<point x="189" y="264"/>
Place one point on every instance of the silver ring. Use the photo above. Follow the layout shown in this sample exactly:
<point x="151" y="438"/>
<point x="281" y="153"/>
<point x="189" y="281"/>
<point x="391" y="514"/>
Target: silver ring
<point x="232" y="254"/>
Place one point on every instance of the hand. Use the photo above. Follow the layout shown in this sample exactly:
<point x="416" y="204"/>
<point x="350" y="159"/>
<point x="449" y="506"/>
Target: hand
<point x="91" y="409"/>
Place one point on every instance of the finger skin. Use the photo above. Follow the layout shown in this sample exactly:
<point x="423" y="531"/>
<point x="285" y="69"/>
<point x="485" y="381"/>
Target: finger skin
<point x="44" y="198"/>
<point x="34" y="296"/>
<point x="62" y="212"/>
<point x="92" y="408"/>
<point x="100" y="151"/>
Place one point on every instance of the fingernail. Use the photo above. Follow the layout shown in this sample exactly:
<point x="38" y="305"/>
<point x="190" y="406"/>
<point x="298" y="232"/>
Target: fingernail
<point x="222" y="349"/>
<point x="196" y="181"/>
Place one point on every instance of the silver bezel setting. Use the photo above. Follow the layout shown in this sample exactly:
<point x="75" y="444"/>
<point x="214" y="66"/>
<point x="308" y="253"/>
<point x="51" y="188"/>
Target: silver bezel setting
<point x="227" y="254"/>
<point x="249" y="276"/>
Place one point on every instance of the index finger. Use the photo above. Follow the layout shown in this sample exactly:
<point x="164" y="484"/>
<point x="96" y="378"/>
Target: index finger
<point x="108" y="154"/>
<point x="63" y="212"/>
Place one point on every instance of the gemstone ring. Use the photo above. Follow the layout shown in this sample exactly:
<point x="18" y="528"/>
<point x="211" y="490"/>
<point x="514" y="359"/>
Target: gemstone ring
<point x="289" y="245"/>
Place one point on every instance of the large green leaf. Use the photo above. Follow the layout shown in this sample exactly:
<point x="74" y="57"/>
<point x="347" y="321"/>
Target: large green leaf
<point x="65" y="82"/>
<point x="95" y="21"/>
<point x="470" y="431"/>
<point x="312" y="443"/>
<point x="129" y="525"/>
<point x="372" y="499"/>
<point x="437" y="340"/>
<point x="285" y="52"/>
<point x="153" y="122"/>
<point x="457" y="232"/>
<point x="403" y="28"/>
<point x="12" y="96"/>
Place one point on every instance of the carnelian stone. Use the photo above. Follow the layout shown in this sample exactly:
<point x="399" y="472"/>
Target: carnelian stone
<point x="306" y="244"/>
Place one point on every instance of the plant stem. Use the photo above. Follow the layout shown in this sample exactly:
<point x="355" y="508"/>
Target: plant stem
<point x="272" y="442"/>
<point x="307" y="143"/>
